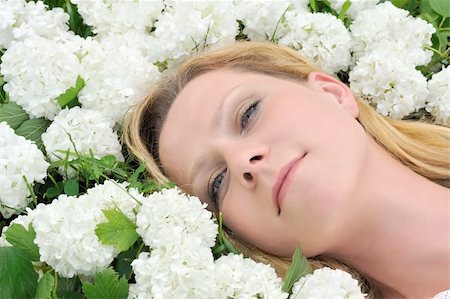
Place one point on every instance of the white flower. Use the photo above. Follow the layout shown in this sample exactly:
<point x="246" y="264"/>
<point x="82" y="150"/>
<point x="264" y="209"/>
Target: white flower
<point x="356" y="6"/>
<point x="438" y="101"/>
<point x="19" y="158"/>
<point x="389" y="26"/>
<point x="89" y="130"/>
<point x="327" y="283"/>
<point x="38" y="70"/>
<point x="243" y="278"/>
<point x="262" y="19"/>
<point x="391" y="83"/>
<point x="20" y="20"/>
<point x="65" y="229"/>
<point x="118" y="16"/>
<point x="117" y="71"/>
<point x="177" y="272"/>
<point x="321" y="37"/>
<point x="167" y="218"/>
<point x="114" y="195"/>
<point x="187" y="27"/>
<point x="65" y="235"/>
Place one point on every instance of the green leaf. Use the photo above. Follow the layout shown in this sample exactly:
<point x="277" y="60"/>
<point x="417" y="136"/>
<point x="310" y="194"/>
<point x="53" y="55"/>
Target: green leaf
<point x="23" y="239"/>
<point x="107" y="285"/>
<point x="17" y="276"/>
<point x="119" y="231"/>
<point x="45" y="287"/>
<point x="109" y="160"/>
<point x="400" y="3"/>
<point x="69" y="97"/>
<point x="344" y="9"/>
<point x="71" y="187"/>
<point x="442" y="7"/>
<point x="13" y="114"/>
<point x="32" y="129"/>
<point x="299" y="267"/>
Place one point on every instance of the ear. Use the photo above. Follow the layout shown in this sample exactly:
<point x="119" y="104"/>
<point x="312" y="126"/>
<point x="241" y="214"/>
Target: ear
<point x="337" y="89"/>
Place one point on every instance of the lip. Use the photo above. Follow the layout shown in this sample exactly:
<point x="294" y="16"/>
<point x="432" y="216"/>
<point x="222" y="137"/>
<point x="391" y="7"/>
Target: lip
<point x="283" y="182"/>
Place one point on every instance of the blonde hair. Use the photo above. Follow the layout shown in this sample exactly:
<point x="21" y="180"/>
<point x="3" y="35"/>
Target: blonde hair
<point x="424" y="148"/>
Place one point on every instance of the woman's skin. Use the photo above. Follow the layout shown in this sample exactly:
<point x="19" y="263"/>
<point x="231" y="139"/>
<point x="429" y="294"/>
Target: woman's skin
<point x="292" y="165"/>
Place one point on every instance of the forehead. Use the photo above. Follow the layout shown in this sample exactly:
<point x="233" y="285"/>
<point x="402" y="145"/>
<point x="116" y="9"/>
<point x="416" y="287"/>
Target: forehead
<point x="188" y="123"/>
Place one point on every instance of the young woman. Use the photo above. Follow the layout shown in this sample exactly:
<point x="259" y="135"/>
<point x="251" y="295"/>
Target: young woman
<point x="291" y="157"/>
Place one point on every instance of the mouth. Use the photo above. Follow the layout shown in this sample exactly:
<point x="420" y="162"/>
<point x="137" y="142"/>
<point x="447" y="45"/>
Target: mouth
<point x="283" y="181"/>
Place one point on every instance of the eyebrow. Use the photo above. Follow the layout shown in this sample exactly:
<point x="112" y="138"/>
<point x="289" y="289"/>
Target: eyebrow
<point x="217" y="120"/>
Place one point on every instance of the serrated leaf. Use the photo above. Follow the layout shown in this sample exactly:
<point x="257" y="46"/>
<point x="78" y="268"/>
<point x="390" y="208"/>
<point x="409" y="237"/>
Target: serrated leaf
<point x="13" y="114"/>
<point x="45" y="287"/>
<point x="442" y="7"/>
<point x="69" y="97"/>
<point x="299" y="267"/>
<point x="17" y="276"/>
<point x="107" y="285"/>
<point x="118" y="231"/>
<point x="71" y="187"/>
<point x="32" y="129"/>
<point x="23" y="239"/>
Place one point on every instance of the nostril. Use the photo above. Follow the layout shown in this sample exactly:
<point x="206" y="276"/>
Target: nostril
<point x="255" y="158"/>
<point x="248" y="176"/>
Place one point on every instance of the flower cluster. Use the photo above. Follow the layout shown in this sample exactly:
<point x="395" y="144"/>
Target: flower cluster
<point x="388" y="44"/>
<point x="20" y="20"/>
<point x="20" y="162"/>
<point x="327" y="283"/>
<point x="180" y="232"/>
<point x="117" y="71"/>
<point x="204" y="23"/>
<point x="37" y="70"/>
<point x="438" y="103"/>
<point x="87" y="130"/>
<point x="115" y="16"/>
<point x="65" y="229"/>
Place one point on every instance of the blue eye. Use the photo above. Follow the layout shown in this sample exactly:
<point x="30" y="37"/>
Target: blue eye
<point x="215" y="185"/>
<point x="249" y="113"/>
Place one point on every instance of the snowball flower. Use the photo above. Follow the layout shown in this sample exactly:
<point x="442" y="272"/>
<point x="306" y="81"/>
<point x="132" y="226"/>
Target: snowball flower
<point x="117" y="72"/>
<point x="38" y="70"/>
<point x="438" y="101"/>
<point x="388" y="26"/>
<point x="65" y="229"/>
<point x="243" y="278"/>
<point x="19" y="158"/>
<point x="187" y="27"/>
<point x="65" y="235"/>
<point x="180" y="272"/>
<point x="321" y="37"/>
<point x="20" y="20"/>
<point x="390" y="83"/>
<point x="89" y="130"/>
<point x="327" y="283"/>
<point x="114" y="195"/>
<point x="262" y="19"/>
<point x="168" y="218"/>
<point x="118" y="16"/>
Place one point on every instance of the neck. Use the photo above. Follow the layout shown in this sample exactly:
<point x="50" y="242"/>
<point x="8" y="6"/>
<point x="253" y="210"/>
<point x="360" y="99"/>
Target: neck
<point x="400" y="235"/>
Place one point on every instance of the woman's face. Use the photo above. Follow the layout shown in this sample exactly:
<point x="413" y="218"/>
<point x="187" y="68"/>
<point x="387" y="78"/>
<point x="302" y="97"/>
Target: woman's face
<point x="279" y="158"/>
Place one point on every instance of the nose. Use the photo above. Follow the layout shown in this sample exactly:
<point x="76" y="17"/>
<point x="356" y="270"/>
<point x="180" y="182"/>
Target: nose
<point x="245" y="162"/>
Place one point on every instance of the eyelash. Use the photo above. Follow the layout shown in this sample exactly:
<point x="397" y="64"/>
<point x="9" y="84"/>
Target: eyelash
<point x="245" y="117"/>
